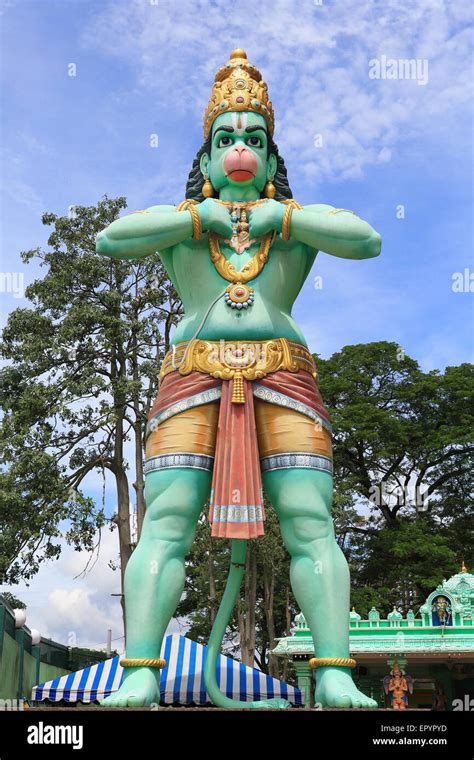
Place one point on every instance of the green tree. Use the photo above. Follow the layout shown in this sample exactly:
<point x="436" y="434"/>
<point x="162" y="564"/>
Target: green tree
<point x="81" y="374"/>
<point x="403" y="469"/>
<point x="400" y="435"/>
<point x="13" y="601"/>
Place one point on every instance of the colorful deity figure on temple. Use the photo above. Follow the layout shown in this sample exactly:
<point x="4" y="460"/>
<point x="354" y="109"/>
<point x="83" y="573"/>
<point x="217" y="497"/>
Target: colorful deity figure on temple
<point x="238" y="408"/>
<point x="397" y="684"/>
<point x="442" y="609"/>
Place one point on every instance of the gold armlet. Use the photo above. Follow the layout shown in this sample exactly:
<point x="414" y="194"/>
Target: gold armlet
<point x="336" y="211"/>
<point x="157" y="662"/>
<point x="333" y="662"/>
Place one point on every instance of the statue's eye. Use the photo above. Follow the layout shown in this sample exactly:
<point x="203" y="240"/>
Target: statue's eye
<point x="255" y="142"/>
<point x="224" y="142"/>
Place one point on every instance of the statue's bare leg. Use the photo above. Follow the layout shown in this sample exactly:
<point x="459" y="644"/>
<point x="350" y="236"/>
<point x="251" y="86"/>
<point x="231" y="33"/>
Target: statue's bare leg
<point x="319" y="574"/>
<point x="155" y="574"/>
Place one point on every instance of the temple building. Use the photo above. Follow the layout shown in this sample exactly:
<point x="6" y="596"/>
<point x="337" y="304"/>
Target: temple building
<point x="434" y="649"/>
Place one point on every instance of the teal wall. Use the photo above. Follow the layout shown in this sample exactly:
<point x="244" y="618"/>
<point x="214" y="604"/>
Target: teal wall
<point x="22" y="664"/>
<point x="9" y="668"/>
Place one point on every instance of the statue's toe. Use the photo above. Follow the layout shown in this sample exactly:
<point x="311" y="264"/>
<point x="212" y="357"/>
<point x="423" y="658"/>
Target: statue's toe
<point x="345" y="700"/>
<point x="135" y="700"/>
<point x="108" y="701"/>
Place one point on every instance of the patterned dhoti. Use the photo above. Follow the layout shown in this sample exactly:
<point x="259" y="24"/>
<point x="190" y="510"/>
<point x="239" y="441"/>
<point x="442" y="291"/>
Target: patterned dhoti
<point x="279" y="422"/>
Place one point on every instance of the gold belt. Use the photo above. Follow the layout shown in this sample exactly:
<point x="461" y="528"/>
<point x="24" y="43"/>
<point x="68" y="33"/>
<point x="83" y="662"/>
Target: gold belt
<point x="235" y="360"/>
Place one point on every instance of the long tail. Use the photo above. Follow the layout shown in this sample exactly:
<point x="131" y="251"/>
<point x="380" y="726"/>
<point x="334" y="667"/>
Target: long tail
<point x="234" y="580"/>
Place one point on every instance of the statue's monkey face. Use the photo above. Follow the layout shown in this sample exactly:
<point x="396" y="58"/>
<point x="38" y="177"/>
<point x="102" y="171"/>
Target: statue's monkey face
<point x="239" y="152"/>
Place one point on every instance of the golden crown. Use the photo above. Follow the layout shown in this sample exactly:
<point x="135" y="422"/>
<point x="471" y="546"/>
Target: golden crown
<point x="239" y="86"/>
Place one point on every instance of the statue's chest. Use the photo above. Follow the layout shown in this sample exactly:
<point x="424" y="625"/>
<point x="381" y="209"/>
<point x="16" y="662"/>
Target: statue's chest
<point x="195" y="263"/>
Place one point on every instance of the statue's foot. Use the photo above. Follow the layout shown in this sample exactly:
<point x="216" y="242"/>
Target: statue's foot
<point x="335" y="688"/>
<point x="139" y="689"/>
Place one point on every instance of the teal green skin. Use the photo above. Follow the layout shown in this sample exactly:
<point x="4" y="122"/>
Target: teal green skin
<point x="155" y="574"/>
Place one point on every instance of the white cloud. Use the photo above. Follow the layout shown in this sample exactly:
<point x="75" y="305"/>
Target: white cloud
<point x="59" y="604"/>
<point x="23" y="193"/>
<point x="74" y="611"/>
<point x="78" y="611"/>
<point x="32" y="144"/>
<point x="316" y="60"/>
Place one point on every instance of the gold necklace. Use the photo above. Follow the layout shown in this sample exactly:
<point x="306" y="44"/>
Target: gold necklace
<point x="239" y="295"/>
<point x="242" y="204"/>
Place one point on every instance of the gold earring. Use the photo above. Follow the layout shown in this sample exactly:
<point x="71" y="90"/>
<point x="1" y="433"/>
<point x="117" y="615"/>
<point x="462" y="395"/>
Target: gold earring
<point x="207" y="188"/>
<point x="269" y="189"/>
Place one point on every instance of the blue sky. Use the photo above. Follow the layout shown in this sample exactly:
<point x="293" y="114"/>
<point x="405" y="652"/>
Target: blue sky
<point x="145" y="67"/>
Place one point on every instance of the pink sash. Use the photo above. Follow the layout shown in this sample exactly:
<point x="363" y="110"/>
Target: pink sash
<point x="236" y="502"/>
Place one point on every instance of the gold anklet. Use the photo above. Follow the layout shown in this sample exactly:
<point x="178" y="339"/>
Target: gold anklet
<point x="142" y="663"/>
<point x="333" y="662"/>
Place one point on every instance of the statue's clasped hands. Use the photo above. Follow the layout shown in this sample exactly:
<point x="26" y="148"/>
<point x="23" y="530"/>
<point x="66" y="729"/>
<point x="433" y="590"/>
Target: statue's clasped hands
<point x="263" y="218"/>
<point x="215" y="218"/>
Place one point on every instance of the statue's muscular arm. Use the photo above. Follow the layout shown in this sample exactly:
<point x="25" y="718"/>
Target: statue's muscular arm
<point x="321" y="227"/>
<point x="338" y="232"/>
<point x="141" y="233"/>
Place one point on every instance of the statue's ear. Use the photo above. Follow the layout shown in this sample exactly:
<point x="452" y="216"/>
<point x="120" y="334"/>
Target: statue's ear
<point x="271" y="166"/>
<point x="204" y="164"/>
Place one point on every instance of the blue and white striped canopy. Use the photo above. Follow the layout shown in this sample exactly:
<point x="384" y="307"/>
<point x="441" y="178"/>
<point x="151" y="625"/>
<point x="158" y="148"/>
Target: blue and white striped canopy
<point x="182" y="680"/>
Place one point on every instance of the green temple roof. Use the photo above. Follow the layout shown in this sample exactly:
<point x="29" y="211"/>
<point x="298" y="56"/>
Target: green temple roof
<point x="444" y="626"/>
<point x="460" y="583"/>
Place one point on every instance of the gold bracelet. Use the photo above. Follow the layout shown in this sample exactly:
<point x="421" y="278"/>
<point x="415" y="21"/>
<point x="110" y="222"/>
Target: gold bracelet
<point x="333" y="662"/>
<point x="142" y="663"/>
<point x="286" y="223"/>
<point x="190" y="205"/>
<point x="285" y="227"/>
<point x="197" y="226"/>
<point x="184" y="204"/>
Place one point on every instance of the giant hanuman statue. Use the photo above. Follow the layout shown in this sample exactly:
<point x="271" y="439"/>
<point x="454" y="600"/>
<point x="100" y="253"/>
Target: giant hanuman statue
<point x="238" y="405"/>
